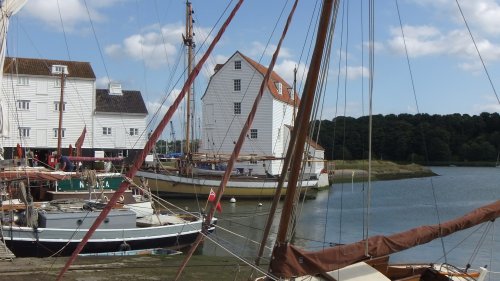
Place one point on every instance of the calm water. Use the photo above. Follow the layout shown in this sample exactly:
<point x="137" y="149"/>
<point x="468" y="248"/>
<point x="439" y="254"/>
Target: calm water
<point x="336" y="216"/>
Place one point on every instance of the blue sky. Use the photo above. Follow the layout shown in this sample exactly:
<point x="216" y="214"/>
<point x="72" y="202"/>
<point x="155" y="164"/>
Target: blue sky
<point x="139" y="43"/>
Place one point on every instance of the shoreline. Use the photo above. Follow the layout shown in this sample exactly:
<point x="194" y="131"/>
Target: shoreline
<point x="356" y="170"/>
<point x="147" y="267"/>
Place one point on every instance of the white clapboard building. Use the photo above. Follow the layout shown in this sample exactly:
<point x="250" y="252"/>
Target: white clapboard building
<point x="226" y="103"/>
<point x="31" y="89"/>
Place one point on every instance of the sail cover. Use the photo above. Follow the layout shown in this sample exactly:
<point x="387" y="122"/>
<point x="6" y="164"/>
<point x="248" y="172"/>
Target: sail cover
<point x="290" y="261"/>
<point x="7" y="8"/>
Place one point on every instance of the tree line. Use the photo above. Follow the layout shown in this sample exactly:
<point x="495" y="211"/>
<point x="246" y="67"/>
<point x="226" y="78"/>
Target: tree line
<point x="419" y="138"/>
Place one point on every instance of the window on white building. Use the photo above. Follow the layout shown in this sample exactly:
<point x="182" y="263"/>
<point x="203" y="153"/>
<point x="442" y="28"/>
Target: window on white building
<point x="134" y="131"/>
<point x="24" y="132"/>
<point x="237" y="85"/>
<point x="23" y="80"/>
<point x="253" y="133"/>
<point x="56" y="130"/>
<point x="59" y="69"/>
<point x="23" y="104"/>
<point x="237" y="108"/>
<point x="279" y="87"/>
<point x="237" y="64"/>
<point x="57" y="83"/>
<point x="106" y="131"/>
<point x="56" y="106"/>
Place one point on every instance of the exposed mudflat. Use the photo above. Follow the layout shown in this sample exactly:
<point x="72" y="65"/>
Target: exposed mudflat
<point x="126" y="268"/>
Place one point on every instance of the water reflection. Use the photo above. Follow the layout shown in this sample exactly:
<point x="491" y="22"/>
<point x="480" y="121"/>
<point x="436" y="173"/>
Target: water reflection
<point x="336" y="216"/>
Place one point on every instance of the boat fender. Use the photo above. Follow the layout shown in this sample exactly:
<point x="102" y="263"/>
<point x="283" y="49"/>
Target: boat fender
<point x="105" y="198"/>
<point x="122" y="198"/>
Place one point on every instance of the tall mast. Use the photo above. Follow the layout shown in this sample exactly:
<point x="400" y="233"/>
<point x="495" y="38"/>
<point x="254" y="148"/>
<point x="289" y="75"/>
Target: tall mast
<point x="139" y="159"/>
<point x="188" y="42"/>
<point x="61" y="107"/>
<point x="293" y="94"/>
<point x="300" y="128"/>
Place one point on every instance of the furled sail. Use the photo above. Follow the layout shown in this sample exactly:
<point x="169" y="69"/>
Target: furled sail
<point x="289" y="261"/>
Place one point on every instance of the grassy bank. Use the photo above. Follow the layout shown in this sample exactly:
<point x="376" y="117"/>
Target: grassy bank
<point x="346" y="170"/>
<point x="126" y="268"/>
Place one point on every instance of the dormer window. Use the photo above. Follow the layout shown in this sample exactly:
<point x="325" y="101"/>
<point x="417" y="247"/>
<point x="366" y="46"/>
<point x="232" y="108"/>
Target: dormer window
<point x="115" y="89"/>
<point x="279" y="87"/>
<point x="291" y="93"/>
<point x="59" y="69"/>
<point x="237" y="64"/>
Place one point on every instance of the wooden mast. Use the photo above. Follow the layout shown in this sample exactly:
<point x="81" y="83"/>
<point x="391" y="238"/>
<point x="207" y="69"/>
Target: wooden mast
<point x="293" y="94"/>
<point x="61" y="107"/>
<point x="188" y="42"/>
<point x="238" y="146"/>
<point x="301" y="126"/>
<point x="139" y="159"/>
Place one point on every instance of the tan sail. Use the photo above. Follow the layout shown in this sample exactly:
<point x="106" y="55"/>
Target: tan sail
<point x="290" y="261"/>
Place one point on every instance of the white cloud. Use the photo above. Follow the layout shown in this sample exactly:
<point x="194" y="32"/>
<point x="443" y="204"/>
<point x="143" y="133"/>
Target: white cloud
<point x="355" y="72"/>
<point x="156" y="47"/>
<point x="420" y="40"/>
<point x="72" y="12"/>
<point x="102" y="82"/>
<point x="285" y="70"/>
<point x="489" y="104"/>
<point x="428" y="41"/>
<point x="257" y="49"/>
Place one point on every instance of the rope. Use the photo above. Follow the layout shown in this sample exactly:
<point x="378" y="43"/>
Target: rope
<point x="422" y="131"/>
<point x="478" y="52"/>
<point x="240" y="258"/>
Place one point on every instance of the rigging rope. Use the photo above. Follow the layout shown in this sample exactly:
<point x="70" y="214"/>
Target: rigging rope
<point x="149" y="145"/>
<point x="478" y="52"/>
<point x="421" y="131"/>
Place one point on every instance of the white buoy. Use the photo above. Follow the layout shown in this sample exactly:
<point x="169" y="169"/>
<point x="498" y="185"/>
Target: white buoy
<point x="232" y="200"/>
<point x="260" y="204"/>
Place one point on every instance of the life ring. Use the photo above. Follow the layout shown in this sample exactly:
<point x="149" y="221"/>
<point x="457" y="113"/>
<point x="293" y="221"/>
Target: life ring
<point x="122" y="198"/>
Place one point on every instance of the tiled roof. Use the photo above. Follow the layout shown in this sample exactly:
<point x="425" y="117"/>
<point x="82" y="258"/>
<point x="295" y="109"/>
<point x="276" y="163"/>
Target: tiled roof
<point x="43" y="67"/>
<point x="285" y="96"/>
<point x="129" y="102"/>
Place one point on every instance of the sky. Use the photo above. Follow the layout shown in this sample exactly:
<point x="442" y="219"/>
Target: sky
<point x="139" y="44"/>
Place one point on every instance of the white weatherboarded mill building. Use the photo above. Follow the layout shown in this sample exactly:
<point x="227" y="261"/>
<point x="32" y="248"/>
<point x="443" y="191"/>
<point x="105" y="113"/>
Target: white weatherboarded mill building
<point x="226" y="104"/>
<point x="30" y="94"/>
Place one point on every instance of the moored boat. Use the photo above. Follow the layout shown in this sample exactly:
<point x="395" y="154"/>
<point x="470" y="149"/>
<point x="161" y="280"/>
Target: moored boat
<point x="240" y="186"/>
<point x="57" y="228"/>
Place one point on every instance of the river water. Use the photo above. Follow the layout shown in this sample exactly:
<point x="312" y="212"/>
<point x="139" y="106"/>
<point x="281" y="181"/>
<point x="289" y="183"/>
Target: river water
<point x="336" y="216"/>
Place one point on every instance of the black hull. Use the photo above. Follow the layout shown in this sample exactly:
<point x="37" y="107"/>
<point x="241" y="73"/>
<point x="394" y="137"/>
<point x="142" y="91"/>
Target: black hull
<point x="43" y="249"/>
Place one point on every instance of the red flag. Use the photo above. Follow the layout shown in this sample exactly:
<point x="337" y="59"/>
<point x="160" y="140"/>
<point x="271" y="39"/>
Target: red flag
<point x="79" y="142"/>
<point x="211" y="198"/>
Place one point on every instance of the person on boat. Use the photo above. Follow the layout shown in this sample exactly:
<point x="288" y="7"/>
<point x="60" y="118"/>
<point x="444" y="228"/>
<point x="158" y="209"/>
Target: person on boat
<point x="35" y="160"/>
<point x="65" y="164"/>
<point x="30" y="155"/>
